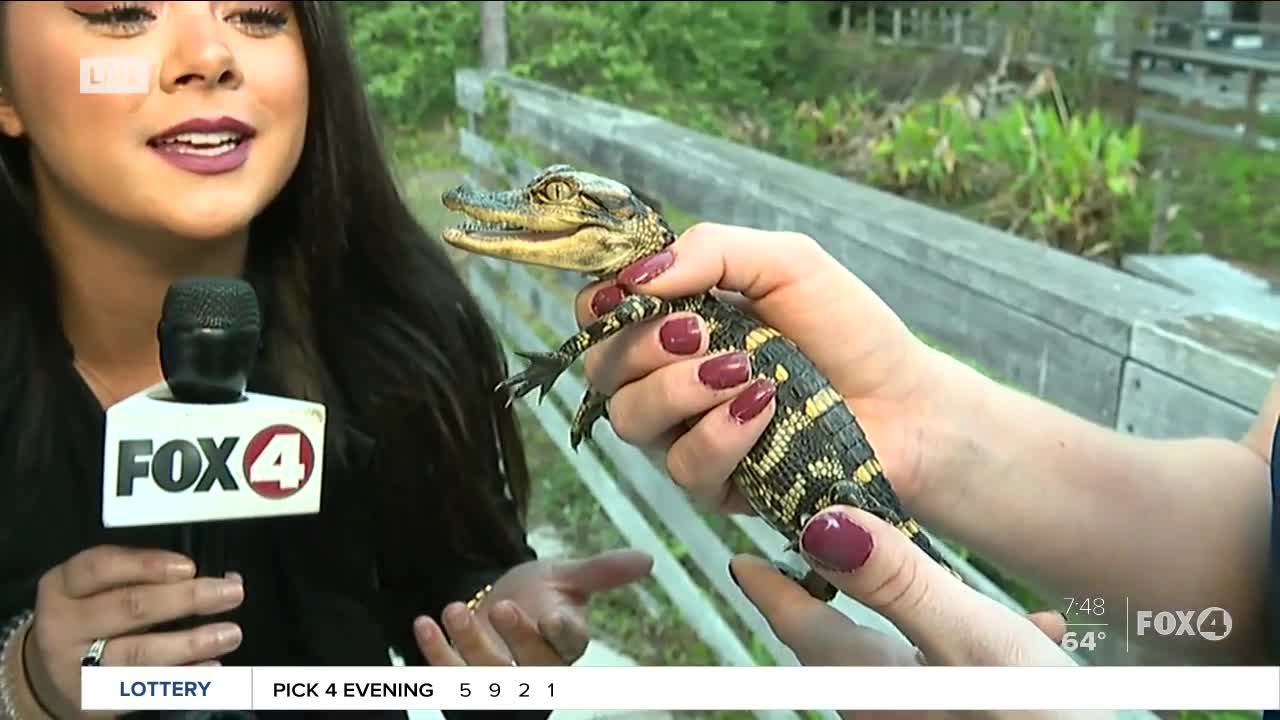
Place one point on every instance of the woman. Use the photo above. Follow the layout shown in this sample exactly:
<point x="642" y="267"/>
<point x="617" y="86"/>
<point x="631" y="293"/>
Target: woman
<point x="106" y="200"/>
<point x="1078" y="509"/>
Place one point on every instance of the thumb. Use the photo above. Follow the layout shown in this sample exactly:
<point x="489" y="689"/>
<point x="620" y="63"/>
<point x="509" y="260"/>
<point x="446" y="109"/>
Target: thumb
<point x="605" y="571"/>
<point x="952" y="624"/>
<point x="1051" y="623"/>
<point x="749" y="261"/>
<point x="740" y="260"/>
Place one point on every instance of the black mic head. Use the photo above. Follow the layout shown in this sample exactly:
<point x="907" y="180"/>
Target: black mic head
<point x="208" y="334"/>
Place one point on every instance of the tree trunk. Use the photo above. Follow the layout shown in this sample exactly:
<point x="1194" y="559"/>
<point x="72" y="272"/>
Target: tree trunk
<point x="493" y="34"/>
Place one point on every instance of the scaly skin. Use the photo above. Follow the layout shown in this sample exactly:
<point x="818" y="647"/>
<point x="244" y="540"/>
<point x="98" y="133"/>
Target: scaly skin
<point x="813" y="454"/>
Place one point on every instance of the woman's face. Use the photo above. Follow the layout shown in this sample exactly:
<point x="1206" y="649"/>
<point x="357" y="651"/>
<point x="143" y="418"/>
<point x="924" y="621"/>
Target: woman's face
<point x="233" y="73"/>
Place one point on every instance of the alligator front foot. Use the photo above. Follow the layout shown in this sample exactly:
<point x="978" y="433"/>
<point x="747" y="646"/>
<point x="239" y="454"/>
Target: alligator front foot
<point x="817" y="586"/>
<point x="543" y="371"/>
<point x="591" y="409"/>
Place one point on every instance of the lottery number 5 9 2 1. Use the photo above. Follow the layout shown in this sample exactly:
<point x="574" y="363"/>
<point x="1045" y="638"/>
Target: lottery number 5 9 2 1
<point x="495" y="689"/>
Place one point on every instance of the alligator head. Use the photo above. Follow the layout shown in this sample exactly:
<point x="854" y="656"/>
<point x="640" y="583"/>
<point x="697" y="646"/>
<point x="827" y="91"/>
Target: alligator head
<point x="563" y="218"/>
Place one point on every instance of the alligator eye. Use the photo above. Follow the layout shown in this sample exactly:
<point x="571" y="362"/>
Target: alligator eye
<point x="557" y="191"/>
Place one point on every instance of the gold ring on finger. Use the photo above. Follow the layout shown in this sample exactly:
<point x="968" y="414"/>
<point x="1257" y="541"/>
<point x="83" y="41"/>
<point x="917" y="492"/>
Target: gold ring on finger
<point x="93" y="656"/>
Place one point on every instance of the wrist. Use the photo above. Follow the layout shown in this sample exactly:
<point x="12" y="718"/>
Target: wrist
<point x="955" y="400"/>
<point x="17" y="697"/>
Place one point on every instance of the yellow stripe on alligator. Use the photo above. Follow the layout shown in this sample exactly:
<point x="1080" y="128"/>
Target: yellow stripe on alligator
<point x="910" y="527"/>
<point x="758" y="337"/>
<point x="765" y="457"/>
<point x="826" y="468"/>
<point x="789" y="503"/>
<point x="821" y="401"/>
<point x="580" y="342"/>
<point x="867" y="471"/>
<point x="780" y="373"/>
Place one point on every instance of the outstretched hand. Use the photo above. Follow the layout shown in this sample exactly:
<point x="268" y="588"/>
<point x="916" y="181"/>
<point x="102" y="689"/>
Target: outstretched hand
<point x="876" y="564"/>
<point x="534" y="615"/>
<point x="821" y="635"/>
<point x="950" y="622"/>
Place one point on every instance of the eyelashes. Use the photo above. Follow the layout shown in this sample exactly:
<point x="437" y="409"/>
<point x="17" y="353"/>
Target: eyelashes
<point x="132" y="18"/>
<point x="117" y="16"/>
<point x="262" y="17"/>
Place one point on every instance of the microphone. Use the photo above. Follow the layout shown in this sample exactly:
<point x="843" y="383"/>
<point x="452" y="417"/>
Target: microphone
<point x="198" y="448"/>
<point x="208" y="334"/>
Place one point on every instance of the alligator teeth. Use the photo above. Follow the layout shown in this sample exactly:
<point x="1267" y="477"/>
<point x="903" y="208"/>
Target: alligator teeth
<point x="481" y="226"/>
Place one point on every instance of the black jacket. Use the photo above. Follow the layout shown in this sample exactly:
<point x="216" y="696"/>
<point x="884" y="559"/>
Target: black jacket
<point x="311" y="586"/>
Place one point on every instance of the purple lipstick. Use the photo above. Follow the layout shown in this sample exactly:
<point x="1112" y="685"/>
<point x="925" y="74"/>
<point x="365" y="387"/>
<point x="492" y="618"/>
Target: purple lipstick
<point x="205" y="146"/>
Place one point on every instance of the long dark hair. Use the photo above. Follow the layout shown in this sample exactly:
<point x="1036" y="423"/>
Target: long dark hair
<point x="364" y="312"/>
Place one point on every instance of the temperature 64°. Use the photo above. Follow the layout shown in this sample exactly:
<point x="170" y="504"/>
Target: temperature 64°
<point x="1087" y="640"/>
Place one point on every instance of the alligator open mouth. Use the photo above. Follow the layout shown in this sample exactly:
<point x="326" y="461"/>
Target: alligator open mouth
<point x="481" y="230"/>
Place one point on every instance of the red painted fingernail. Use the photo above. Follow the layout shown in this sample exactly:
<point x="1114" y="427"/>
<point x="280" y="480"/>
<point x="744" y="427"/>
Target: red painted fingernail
<point x="681" y="336"/>
<point x="606" y="299"/>
<point x="647" y="269"/>
<point x="751" y="401"/>
<point x="725" y="371"/>
<point x="833" y="540"/>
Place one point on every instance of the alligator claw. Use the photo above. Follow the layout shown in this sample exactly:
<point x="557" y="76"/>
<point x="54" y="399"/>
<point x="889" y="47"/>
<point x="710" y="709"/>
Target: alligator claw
<point x="576" y="437"/>
<point x="593" y="407"/>
<point x="543" y="371"/>
<point x="789" y="571"/>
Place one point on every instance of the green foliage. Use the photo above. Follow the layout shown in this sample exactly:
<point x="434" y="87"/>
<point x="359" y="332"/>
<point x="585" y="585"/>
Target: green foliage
<point x="1072" y="183"/>
<point x="934" y="147"/>
<point x="408" y="52"/>
<point x="1069" y="185"/>
<point x="654" y="55"/>
<point x="771" y="76"/>
<point x="636" y="53"/>
<point x="763" y="74"/>
<point x="1243" y="219"/>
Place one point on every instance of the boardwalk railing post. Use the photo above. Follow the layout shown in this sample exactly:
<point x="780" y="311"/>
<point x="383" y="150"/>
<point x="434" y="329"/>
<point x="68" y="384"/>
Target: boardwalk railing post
<point x="1252" y="109"/>
<point x="1134" y="87"/>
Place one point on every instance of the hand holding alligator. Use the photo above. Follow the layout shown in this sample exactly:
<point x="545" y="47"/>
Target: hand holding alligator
<point x="806" y="401"/>
<point x="670" y="395"/>
<point x="743" y="355"/>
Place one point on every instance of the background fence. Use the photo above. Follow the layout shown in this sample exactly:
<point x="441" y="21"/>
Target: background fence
<point x="1173" y="57"/>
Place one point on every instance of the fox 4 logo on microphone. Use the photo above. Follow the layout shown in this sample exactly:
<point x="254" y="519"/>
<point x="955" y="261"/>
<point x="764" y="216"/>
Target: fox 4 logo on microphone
<point x="171" y="462"/>
<point x="1211" y="623"/>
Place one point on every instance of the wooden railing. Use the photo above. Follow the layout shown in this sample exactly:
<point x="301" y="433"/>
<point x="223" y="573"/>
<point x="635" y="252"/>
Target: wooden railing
<point x="1111" y="39"/>
<point x="1255" y="70"/>
<point x="1106" y="345"/>
<point x="1117" y="49"/>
